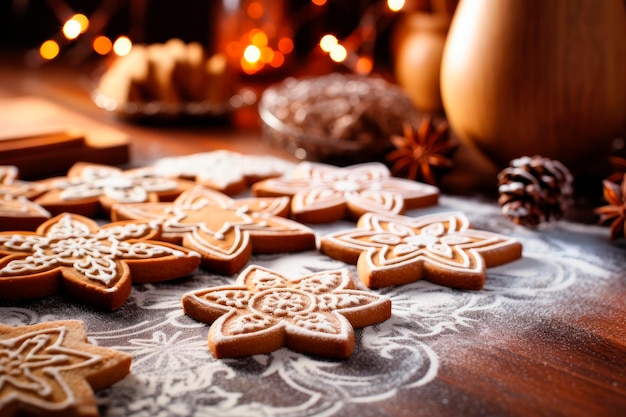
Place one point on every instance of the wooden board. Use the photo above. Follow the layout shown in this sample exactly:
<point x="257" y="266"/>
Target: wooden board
<point x="44" y="139"/>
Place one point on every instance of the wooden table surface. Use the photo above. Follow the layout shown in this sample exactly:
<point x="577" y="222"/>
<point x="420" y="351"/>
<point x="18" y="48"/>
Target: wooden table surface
<point x="560" y="351"/>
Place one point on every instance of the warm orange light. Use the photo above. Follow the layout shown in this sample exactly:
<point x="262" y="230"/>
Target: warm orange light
<point x="252" y="53"/>
<point x="328" y="42"/>
<point x="233" y="49"/>
<point x="277" y="60"/>
<point x="83" y="21"/>
<point x="338" y="53"/>
<point x="395" y="5"/>
<point x="363" y="65"/>
<point x="49" y="50"/>
<point x="122" y="46"/>
<point x="255" y="10"/>
<point x="259" y="39"/>
<point x="250" y="67"/>
<point x="318" y="2"/>
<point x="285" y="45"/>
<point x="267" y="54"/>
<point x="71" y="29"/>
<point x="102" y="45"/>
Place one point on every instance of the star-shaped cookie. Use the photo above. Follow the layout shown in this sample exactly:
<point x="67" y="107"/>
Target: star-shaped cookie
<point x="16" y="211"/>
<point x="50" y="369"/>
<point x="221" y="170"/>
<point x="265" y="311"/>
<point x="89" y="188"/>
<point x="441" y="248"/>
<point x="95" y="265"/>
<point x="224" y="231"/>
<point x="324" y="193"/>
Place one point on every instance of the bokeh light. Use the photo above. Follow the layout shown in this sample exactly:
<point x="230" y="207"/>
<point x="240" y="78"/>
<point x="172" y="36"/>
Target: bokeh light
<point x="338" y="53"/>
<point x="49" y="50"/>
<point x="122" y="46"/>
<point x="71" y="29"/>
<point x="395" y="5"/>
<point x="328" y="42"/>
<point x="102" y="45"/>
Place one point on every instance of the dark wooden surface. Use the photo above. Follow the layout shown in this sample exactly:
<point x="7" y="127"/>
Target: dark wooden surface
<point x="550" y="361"/>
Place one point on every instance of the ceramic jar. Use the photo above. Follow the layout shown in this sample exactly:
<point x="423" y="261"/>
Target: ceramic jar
<point x="536" y="77"/>
<point x="418" y="47"/>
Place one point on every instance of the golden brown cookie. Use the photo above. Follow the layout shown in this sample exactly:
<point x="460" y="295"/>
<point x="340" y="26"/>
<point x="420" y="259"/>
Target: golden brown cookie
<point x="224" y="171"/>
<point x="89" y="188"/>
<point x="441" y="248"/>
<point x="265" y="311"/>
<point x="323" y="193"/>
<point x="50" y="369"/>
<point x="224" y="231"/>
<point x="91" y="264"/>
<point x="16" y="211"/>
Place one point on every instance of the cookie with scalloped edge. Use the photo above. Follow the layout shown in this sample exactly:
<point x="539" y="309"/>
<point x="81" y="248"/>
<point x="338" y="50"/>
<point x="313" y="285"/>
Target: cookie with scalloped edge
<point x="92" y="264"/>
<point x="263" y="311"/>
<point x="442" y="248"/>
<point x="322" y="193"/>
<point x="50" y="369"/>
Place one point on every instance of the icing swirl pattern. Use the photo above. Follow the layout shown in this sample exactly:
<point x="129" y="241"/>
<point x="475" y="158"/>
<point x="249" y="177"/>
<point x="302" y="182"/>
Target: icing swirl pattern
<point x="41" y="368"/>
<point x="264" y="311"/>
<point x="95" y="258"/>
<point x="442" y="248"/>
<point x="224" y="231"/>
<point x="323" y="193"/>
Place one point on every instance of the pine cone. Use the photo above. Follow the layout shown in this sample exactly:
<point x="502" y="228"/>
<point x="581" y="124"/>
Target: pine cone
<point x="535" y="190"/>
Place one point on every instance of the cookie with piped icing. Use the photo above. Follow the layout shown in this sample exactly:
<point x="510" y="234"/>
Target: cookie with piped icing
<point x="90" y="189"/>
<point x="442" y="248"/>
<point x="221" y="170"/>
<point x="92" y="264"/>
<point x="225" y="231"/>
<point x="263" y="311"/>
<point x="51" y="369"/>
<point x="17" y="212"/>
<point x="322" y="193"/>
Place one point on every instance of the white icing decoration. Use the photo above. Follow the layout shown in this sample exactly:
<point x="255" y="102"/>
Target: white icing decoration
<point x="124" y="187"/>
<point x="70" y="243"/>
<point x="22" y="357"/>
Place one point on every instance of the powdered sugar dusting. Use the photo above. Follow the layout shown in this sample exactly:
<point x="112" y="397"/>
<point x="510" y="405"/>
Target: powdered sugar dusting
<point x="435" y="334"/>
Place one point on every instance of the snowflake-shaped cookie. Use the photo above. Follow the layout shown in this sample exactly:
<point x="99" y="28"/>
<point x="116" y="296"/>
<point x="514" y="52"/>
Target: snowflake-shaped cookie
<point x="324" y="193"/>
<point x="225" y="231"/>
<point x="221" y="170"/>
<point x="16" y="211"/>
<point x="265" y="311"/>
<point x="51" y="369"/>
<point x="87" y="188"/>
<point x="441" y="248"/>
<point x="86" y="262"/>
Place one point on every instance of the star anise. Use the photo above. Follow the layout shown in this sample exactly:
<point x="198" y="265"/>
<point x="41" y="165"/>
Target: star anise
<point x="422" y="153"/>
<point x="615" y="211"/>
<point x="619" y="169"/>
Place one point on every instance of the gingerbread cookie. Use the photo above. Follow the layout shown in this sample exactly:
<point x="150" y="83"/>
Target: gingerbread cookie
<point x="16" y="211"/>
<point x="224" y="171"/>
<point x="92" y="264"/>
<point x="323" y="193"/>
<point x="224" y="231"/>
<point x="265" y="311"/>
<point x="11" y="185"/>
<point x="50" y="369"/>
<point x="441" y="248"/>
<point x="88" y="188"/>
